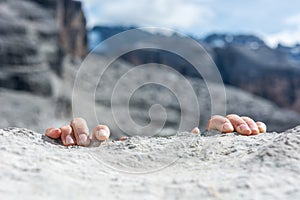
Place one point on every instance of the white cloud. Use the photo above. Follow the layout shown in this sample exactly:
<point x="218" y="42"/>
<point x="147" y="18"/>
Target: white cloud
<point x="199" y="17"/>
<point x="289" y="36"/>
<point x="179" y="14"/>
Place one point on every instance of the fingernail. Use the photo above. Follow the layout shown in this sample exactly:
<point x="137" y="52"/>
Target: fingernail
<point x="195" y="130"/>
<point x="227" y="127"/>
<point x="83" y="140"/>
<point x="254" y="130"/>
<point x="54" y="131"/>
<point x="69" y="140"/>
<point x="245" y="129"/>
<point x="102" y="134"/>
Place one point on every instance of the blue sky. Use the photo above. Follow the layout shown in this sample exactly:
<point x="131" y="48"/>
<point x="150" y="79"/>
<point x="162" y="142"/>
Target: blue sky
<point x="274" y="21"/>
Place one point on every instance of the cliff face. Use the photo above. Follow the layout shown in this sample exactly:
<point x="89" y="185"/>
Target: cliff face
<point x="71" y="21"/>
<point x="262" y="71"/>
<point x="29" y="55"/>
<point x="244" y="61"/>
<point x="32" y="44"/>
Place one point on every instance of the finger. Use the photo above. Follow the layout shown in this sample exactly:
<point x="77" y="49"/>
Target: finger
<point x="239" y="124"/>
<point x="195" y="130"/>
<point x="67" y="136"/>
<point x="251" y="124"/>
<point x="219" y="123"/>
<point x="123" y="138"/>
<point x="101" y="132"/>
<point x="81" y="131"/>
<point x="261" y="127"/>
<point x="54" y="133"/>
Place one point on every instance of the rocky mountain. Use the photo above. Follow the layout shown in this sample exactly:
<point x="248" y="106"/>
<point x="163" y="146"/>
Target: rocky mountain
<point x="293" y="51"/>
<point x="23" y="109"/>
<point x="38" y="38"/>
<point x="259" y="69"/>
<point x="34" y="37"/>
<point x="29" y="53"/>
<point x="112" y="93"/>
<point x="72" y="30"/>
<point x="244" y="61"/>
<point x="42" y="43"/>
<point x="41" y="55"/>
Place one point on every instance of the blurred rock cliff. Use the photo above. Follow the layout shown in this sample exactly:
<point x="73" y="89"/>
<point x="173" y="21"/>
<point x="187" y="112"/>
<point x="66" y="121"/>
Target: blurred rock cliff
<point x="35" y="36"/>
<point x="244" y="61"/>
<point x="38" y="39"/>
<point x="42" y="44"/>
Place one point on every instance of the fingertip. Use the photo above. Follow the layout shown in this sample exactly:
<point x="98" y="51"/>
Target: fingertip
<point x="217" y="122"/>
<point x="251" y="124"/>
<point x="83" y="140"/>
<point x="261" y="127"/>
<point x="101" y="132"/>
<point x="68" y="141"/>
<point x="244" y="129"/>
<point x="227" y="128"/>
<point x="67" y="136"/>
<point x="195" y="130"/>
<point x="80" y="131"/>
<point x="254" y="131"/>
<point x="230" y="116"/>
<point x="54" y="133"/>
<point x="123" y="138"/>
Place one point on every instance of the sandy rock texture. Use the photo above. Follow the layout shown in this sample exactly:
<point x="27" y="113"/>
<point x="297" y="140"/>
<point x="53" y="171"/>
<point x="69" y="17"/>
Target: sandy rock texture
<point x="184" y="166"/>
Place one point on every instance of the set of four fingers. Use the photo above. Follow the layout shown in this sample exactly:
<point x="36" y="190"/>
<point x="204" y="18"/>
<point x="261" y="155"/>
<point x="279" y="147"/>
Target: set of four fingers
<point x="243" y="125"/>
<point x="77" y="133"/>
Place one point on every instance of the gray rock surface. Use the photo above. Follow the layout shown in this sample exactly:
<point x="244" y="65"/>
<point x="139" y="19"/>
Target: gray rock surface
<point x="29" y="54"/>
<point x="72" y="26"/>
<point x="143" y="98"/>
<point x="31" y="60"/>
<point x="244" y="61"/>
<point x="184" y="166"/>
<point x="34" y="37"/>
<point x="22" y="109"/>
<point x="263" y="71"/>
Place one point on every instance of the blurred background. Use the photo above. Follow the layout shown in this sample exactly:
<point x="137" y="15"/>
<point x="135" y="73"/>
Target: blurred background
<point x="255" y="45"/>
